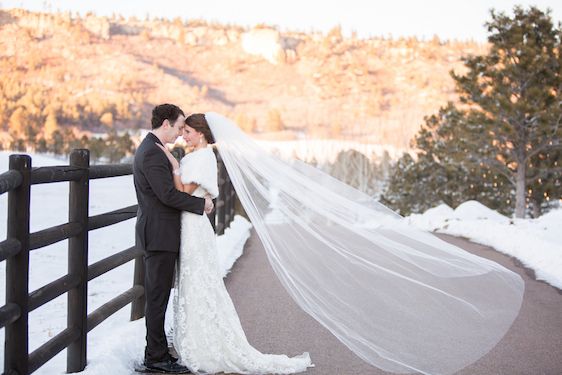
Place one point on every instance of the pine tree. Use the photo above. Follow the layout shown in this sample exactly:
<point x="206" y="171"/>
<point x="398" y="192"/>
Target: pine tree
<point x="543" y="188"/>
<point x="117" y="147"/>
<point x="274" y="121"/>
<point x="501" y="144"/>
<point x="56" y="145"/>
<point x="97" y="148"/>
<point x="17" y="122"/>
<point x="513" y="95"/>
<point x="41" y="146"/>
<point x="125" y="143"/>
<point x="51" y="124"/>
<point x="443" y="172"/>
<point x="4" y="109"/>
<point x="70" y="141"/>
<point x="112" y="151"/>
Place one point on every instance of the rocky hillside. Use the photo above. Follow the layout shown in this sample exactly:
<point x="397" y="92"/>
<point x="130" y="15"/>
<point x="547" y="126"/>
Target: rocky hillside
<point x="97" y="73"/>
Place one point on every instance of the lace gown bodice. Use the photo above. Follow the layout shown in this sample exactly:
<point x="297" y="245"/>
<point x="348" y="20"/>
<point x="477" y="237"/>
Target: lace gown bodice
<point x="208" y="335"/>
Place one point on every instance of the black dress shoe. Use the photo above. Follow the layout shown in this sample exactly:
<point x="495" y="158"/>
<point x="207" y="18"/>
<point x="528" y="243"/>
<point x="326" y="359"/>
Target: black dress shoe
<point x="167" y="367"/>
<point x="172" y="358"/>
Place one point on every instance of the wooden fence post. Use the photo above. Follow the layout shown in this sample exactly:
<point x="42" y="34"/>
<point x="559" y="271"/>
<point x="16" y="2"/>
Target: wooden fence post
<point x="226" y="200"/>
<point x="78" y="261"/>
<point x="17" y="356"/>
<point x="222" y="199"/>
<point x="231" y="199"/>
<point x="232" y="202"/>
<point x="138" y="304"/>
<point x="17" y="269"/>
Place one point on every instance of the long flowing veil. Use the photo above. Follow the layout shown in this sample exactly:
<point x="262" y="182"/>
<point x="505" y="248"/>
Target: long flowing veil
<point x="401" y="299"/>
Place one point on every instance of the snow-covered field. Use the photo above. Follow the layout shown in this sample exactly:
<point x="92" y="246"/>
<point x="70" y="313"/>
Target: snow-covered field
<point x="114" y="345"/>
<point x="49" y="207"/>
<point x="537" y="243"/>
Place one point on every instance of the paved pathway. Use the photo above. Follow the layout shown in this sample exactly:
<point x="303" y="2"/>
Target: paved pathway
<point x="275" y="324"/>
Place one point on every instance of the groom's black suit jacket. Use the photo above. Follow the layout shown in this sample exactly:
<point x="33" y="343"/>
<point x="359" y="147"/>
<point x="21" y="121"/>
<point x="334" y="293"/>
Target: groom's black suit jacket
<point x="160" y="203"/>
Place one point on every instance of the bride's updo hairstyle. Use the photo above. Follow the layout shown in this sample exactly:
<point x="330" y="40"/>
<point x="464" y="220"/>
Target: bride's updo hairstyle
<point x="198" y="122"/>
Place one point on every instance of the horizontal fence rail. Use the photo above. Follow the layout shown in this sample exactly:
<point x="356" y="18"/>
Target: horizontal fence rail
<point x="47" y="175"/>
<point x="9" y="313"/>
<point x="52" y="290"/>
<point x="9" y="181"/>
<point x="110" y="170"/>
<point x="15" y="251"/>
<point x="113" y="217"/>
<point x="9" y="248"/>
<point x="53" y="235"/>
<point x="51" y="348"/>
<point x="105" y="265"/>
<point x="111" y="307"/>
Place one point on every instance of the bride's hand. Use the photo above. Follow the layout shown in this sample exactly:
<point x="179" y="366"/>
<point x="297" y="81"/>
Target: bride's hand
<point x="171" y="158"/>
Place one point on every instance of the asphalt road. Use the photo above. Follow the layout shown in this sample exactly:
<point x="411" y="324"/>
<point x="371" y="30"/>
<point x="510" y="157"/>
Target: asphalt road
<point x="275" y="324"/>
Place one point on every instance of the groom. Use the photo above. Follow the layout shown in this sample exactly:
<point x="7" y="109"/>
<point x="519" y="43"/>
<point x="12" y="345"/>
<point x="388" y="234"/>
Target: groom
<point x="158" y="229"/>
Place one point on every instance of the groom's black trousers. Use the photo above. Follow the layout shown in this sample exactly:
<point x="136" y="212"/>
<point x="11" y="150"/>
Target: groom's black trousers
<point x="158" y="281"/>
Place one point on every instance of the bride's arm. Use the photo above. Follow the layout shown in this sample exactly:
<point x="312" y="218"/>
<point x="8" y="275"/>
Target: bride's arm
<point x="186" y="188"/>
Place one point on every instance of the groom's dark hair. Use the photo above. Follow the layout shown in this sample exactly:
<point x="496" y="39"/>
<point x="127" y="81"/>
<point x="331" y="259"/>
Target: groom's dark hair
<point x="163" y="112"/>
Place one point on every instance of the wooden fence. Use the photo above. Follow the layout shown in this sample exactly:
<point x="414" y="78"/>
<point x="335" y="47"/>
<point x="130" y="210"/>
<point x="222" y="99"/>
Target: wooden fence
<point x="15" y="250"/>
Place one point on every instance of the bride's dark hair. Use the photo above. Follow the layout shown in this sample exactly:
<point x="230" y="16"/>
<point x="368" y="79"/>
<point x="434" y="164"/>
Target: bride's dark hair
<point x="198" y="122"/>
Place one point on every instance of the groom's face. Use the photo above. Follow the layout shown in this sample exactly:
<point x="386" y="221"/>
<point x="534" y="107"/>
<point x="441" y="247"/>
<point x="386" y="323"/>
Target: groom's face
<point x="173" y="130"/>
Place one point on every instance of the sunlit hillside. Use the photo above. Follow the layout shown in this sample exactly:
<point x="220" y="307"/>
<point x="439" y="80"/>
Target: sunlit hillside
<point x="97" y="73"/>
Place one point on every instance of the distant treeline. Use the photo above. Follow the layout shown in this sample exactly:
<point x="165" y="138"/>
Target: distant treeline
<point x="111" y="147"/>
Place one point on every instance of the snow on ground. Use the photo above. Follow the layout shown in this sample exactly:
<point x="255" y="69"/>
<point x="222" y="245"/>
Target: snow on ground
<point x="231" y="244"/>
<point x="537" y="243"/>
<point x="113" y="345"/>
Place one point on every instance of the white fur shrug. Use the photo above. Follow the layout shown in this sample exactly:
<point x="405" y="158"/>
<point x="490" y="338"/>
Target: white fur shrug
<point x="200" y="167"/>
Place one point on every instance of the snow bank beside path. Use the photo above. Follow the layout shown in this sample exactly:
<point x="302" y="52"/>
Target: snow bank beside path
<point x="537" y="243"/>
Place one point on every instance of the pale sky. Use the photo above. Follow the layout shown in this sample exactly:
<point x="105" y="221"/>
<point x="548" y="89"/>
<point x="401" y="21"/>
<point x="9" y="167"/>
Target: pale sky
<point x="449" y="19"/>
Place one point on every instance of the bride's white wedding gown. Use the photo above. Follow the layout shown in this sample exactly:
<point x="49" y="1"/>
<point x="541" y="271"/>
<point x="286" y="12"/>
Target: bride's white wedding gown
<point x="207" y="333"/>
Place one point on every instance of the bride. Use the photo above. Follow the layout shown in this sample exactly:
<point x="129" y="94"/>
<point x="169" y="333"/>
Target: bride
<point x="401" y="299"/>
<point x="208" y="335"/>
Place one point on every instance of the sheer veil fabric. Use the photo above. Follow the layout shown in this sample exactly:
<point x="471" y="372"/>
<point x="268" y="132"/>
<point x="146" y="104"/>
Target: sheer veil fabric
<point x="401" y="299"/>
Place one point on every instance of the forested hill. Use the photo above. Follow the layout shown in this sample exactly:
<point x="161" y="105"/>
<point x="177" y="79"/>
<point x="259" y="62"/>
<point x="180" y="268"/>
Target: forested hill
<point x="97" y="73"/>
